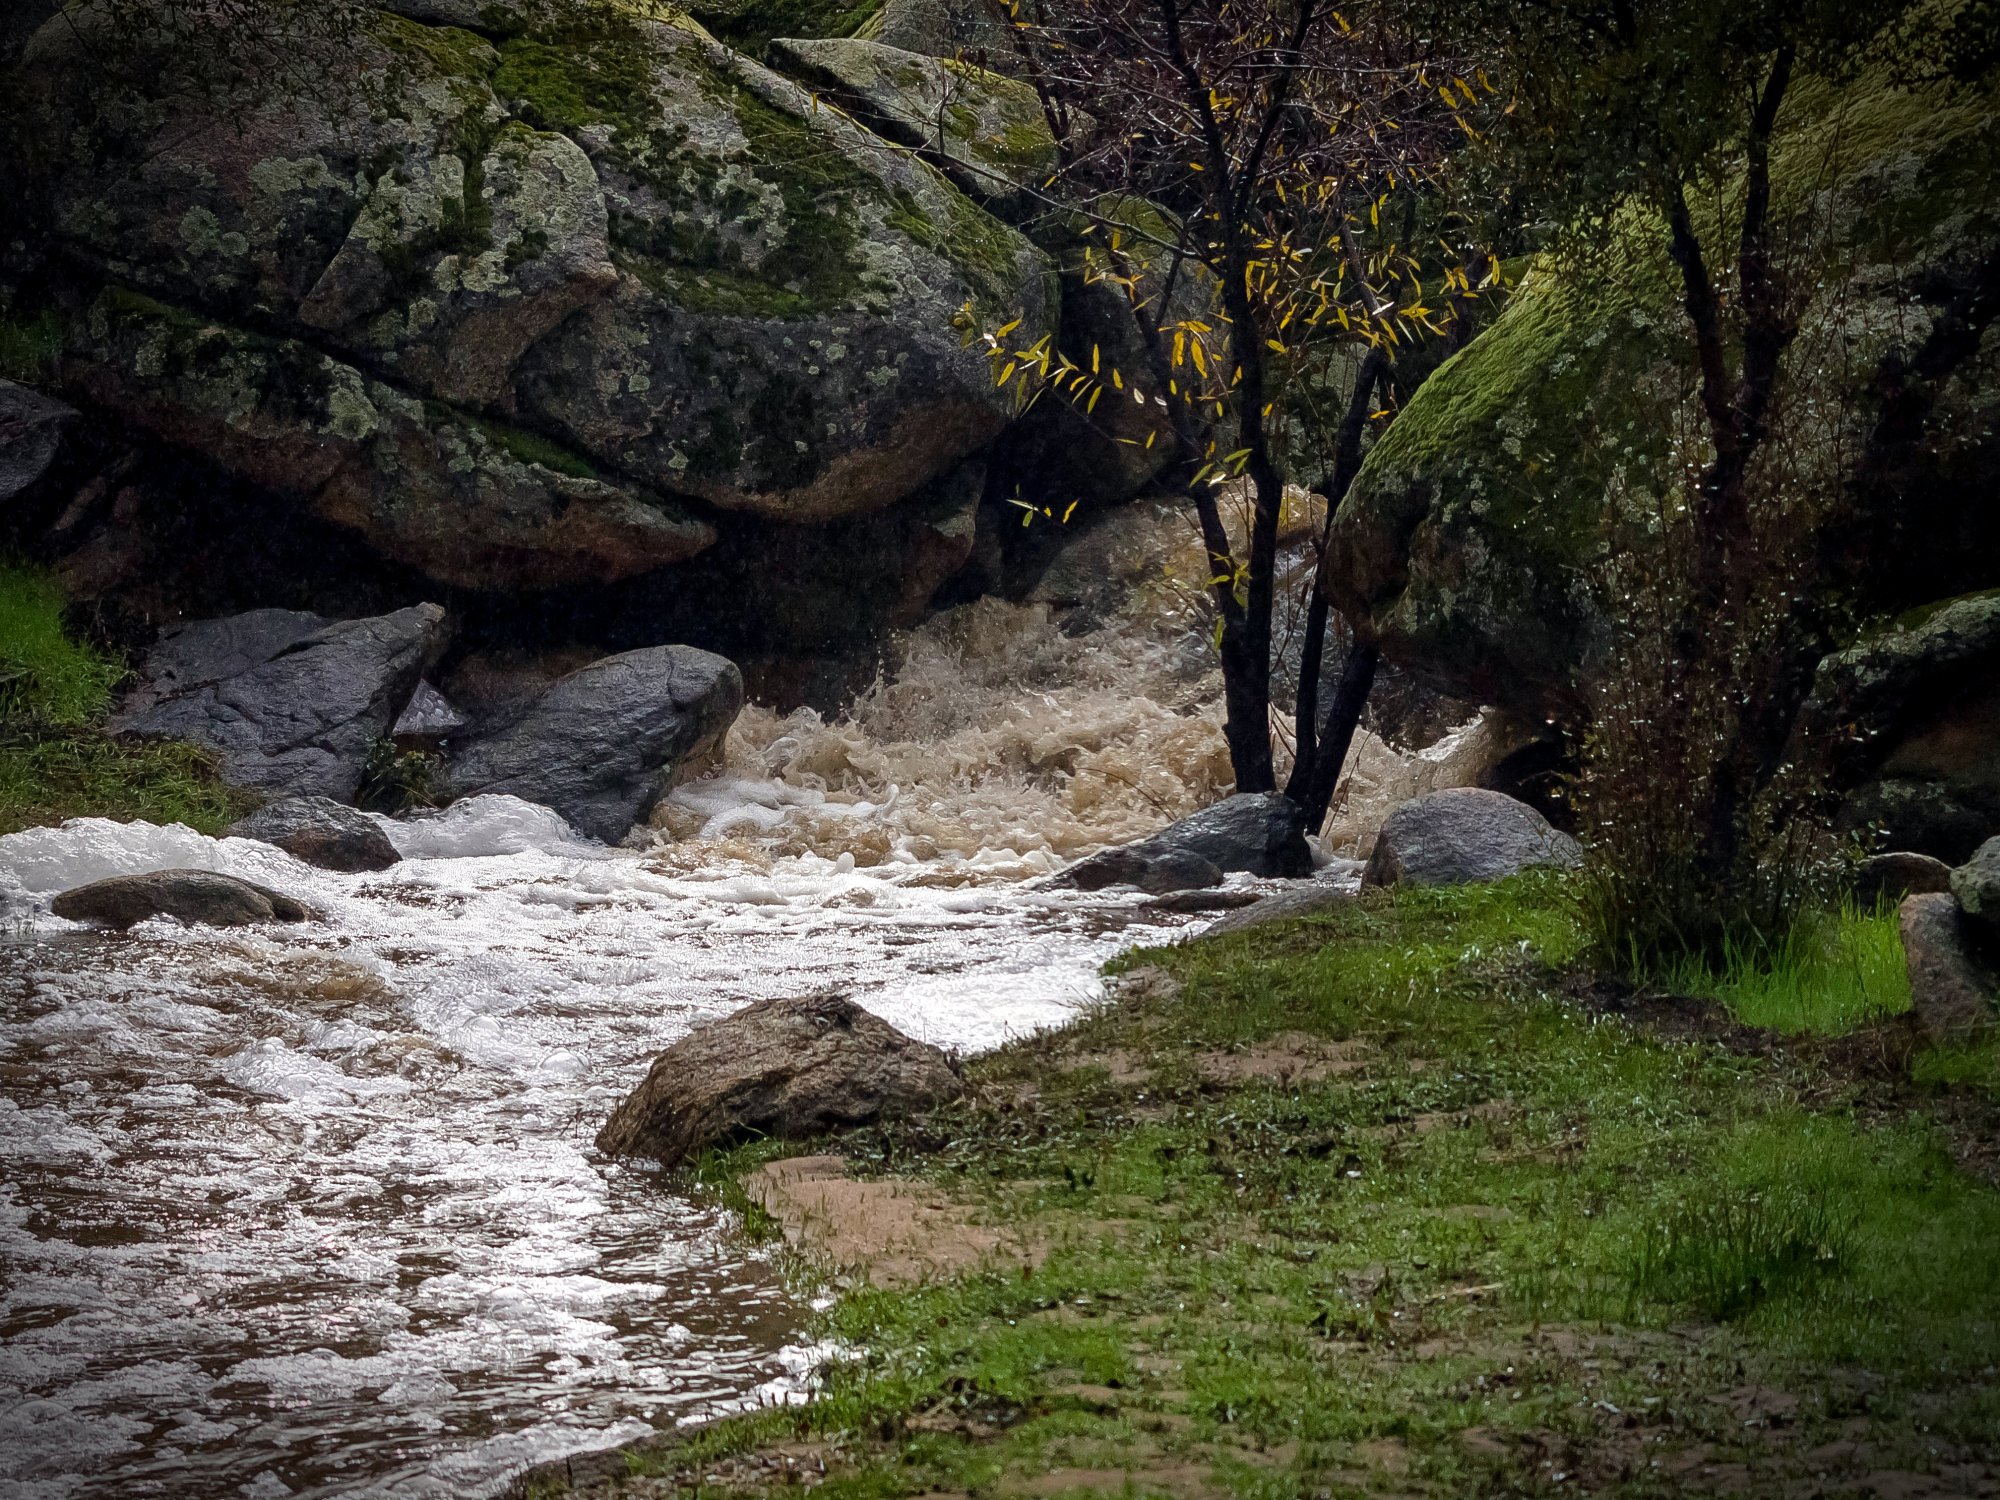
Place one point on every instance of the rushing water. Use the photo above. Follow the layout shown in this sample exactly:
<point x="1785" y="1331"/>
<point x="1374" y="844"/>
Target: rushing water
<point x="314" y="1209"/>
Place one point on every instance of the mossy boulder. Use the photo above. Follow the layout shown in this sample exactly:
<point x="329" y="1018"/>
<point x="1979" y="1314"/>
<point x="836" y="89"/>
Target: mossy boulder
<point x="468" y="501"/>
<point x="784" y="339"/>
<point x="985" y="130"/>
<point x="509" y="302"/>
<point x="1476" y="540"/>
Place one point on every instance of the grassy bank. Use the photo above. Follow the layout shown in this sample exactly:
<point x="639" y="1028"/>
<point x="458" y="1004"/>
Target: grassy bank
<point x="56" y="762"/>
<point x="1392" y="1201"/>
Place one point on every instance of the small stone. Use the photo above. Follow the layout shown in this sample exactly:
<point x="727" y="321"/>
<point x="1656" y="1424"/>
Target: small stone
<point x="1465" y="834"/>
<point x="321" y="832"/>
<point x="1951" y="993"/>
<point x="31" y="435"/>
<point x="204" y="897"/>
<point x="1900" y="873"/>
<point x="1313" y="896"/>
<point x="788" y="1068"/>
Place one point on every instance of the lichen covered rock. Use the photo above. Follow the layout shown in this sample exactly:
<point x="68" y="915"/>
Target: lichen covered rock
<point x="1474" y="540"/>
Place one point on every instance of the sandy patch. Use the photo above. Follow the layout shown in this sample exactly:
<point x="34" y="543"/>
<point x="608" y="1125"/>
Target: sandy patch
<point x="887" y="1233"/>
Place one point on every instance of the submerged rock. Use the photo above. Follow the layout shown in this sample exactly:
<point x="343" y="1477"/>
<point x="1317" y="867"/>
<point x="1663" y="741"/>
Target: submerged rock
<point x="193" y="896"/>
<point x="1951" y="992"/>
<point x="789" y="1068"/>
<point x="1252" y="833"/>
<point x="600" y="745"/>
<point x="1462" y="835"/>
<point x="291" y="702"/>
<point x="320" y="832"/>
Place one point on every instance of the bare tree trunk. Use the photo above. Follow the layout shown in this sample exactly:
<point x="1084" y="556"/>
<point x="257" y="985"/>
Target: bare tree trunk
<point x="1343" y="716"/>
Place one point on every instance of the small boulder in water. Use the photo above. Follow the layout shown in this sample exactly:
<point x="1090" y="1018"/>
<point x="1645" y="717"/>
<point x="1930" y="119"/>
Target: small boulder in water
<point x="321" y="832"/>
<point x="194" y="896"/>
<point x="791" y="1068"/>
<point x="600" y="744"/>
<point x="1252" y="833"/>
<point x="1462" y="835"/>
<point x="1301" y="901"/>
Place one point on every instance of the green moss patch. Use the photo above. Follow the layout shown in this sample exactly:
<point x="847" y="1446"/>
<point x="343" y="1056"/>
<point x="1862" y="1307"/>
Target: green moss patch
<point x="55" y="761"/>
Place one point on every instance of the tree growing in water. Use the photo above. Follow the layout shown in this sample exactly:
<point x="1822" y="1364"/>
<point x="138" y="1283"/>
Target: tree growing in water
<point x="1259" y="179"/>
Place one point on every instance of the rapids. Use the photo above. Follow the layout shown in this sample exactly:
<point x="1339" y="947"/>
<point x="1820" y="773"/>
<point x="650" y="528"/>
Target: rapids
<point x="314" y="1210"/>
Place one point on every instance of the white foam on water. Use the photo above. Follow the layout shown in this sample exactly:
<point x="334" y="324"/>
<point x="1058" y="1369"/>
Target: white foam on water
<point x="313" y="1209"/>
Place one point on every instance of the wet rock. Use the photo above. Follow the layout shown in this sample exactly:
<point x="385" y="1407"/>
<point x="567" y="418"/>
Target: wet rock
<point x="31" y="435"/>
<point x="1951" y="992"/>
<point x="428" y="717"/>
<point x="1462" y="835"/>
<point x="320" y="832"/>
<point x="193" y="896"/>
<point x="290" y="702"/>
<point x="600" y="744"/>
<point x="1975" y="885"/>
<point x="1157" y="871"/>
<point x="1314" y="896"/>
<point x="1899" y="873"/>
<point x="786" y="1068"/>
<point x="1253" y="833"/>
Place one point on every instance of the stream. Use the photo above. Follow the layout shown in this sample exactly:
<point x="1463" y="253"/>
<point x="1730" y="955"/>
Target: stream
<point x="314" y="1210"/>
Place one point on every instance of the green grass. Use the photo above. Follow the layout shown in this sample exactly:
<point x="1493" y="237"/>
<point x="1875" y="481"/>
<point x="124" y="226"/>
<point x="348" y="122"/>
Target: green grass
<point x="1505" y="1209"/>
<point x="44" y="674"/>
<point x="55" y="761"/>
<point x="1832" y="971"/>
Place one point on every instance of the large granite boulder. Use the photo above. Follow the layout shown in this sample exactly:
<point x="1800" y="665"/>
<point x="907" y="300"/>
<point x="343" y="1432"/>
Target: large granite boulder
<point x="1474" y="541"/>
<point x="1253" y="833"/>
<point x="1892" y="876"/>
<point x="985" y="130"/>
<point x="789" y="1069"/>
<point x="320" y="832"/>
<point x="509" y="307"/>
<point x="942" y="28"/>
<point x="601" y="744"/>
<point x="197" y="897"/>
<point x="31" y="435"/>
<point x="1462" y="835"/>
<point x="291" y="702"/>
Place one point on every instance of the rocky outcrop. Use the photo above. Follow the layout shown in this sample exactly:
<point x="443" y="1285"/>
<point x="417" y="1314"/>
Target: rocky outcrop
<point x="1473" y="542"/>
<point x="1462" y="835"/>
<point x="600" y="745"/>
<point x="291" y="703"/>
<point x="1951" y="991"/>
<point x="1911" y="714"/>
<point x="529" y="308"/>
<point x="1253" y="833"/>
<point x="986" y="131"/>
<point x="320" y="831"/>
<point x="201" y="897"/>
<point x="942" y="28"/>
<point x="31" y="435"/>
<point x="789" y="1069"/>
